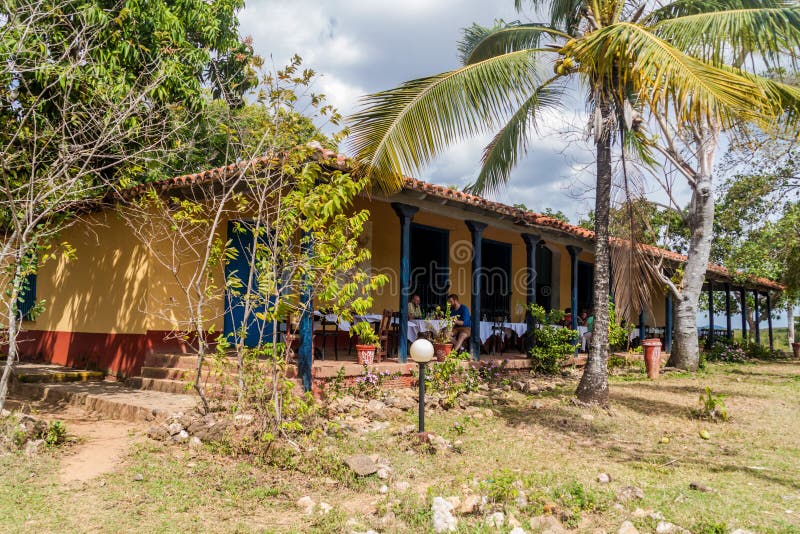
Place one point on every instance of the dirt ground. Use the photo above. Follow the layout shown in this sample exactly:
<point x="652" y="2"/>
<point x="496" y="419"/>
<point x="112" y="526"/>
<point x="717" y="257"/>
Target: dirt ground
<point x="112" y="478"/>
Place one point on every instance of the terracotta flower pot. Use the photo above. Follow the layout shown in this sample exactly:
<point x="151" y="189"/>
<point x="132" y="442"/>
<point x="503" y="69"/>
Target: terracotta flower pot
<point x="796" y="349"/>
<point x="366" y="354"/>
<point x="442" y="350"/>
<point x="652" y="357"/>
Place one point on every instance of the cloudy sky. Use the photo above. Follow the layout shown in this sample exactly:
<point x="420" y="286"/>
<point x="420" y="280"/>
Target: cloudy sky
<point x="363" y="46"/>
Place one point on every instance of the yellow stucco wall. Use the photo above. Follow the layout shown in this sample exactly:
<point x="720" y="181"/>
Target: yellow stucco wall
<point x="103" y="289"/>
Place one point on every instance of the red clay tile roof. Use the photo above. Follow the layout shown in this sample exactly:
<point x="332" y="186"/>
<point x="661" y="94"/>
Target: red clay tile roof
<point x="338" y="161"/>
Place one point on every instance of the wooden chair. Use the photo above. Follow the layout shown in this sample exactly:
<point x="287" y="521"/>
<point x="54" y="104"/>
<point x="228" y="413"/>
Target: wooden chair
<point x="384" y="334"/>
<point x="395" y="332"/>
<point x="329" y="329"/>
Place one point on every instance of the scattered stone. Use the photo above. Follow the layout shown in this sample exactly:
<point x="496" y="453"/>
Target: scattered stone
<point x="242" y="419"/>
<point x="455" y="501"/>
<point x="401" y="486"/>
<point x="518" y="530"/>
<point x="469" y="505"/>
<point x="307" y="504"/>
<point x="384" y="472"/>
<point x="665" y="527"/>
<point x="158" y="433"/>
<point x="496" y="520"/>
<point x="630" y="493"/>
<point x="627" y="528"/>
<point x="547" y="524"/>
<point x="587" y="417"/>
<point x="174" y="428"/>
<point x="181" y="436"/>
<point x="521" y="501"/>
<point x="33" y="447"/>
<point x="324" y="508"/>
<point x="138" y="477"/>
<point x="362" y="465"/>
<point x="383" y="490"/>
<point x="700" y="487"/>
<point x="488" y="412"/>
<point x="742" y="531"/>
<point x="4" y="413"/>
<point x="195" y="443"/>
<point x="443" y="519"/>
<point x="604" y="478"/>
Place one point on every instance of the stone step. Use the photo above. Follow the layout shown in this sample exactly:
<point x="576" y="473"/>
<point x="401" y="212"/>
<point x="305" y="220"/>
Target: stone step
<point x="111" y="399"/>
<point x="29" y="373"/>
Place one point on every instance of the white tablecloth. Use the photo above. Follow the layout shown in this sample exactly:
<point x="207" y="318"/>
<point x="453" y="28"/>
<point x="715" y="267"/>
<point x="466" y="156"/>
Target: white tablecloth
<point x="486" y="329"/>
<point x="417" y="326"/>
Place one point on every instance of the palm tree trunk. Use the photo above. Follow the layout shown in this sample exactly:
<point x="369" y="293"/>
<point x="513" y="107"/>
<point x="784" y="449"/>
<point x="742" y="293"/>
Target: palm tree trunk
<point x="685" y="347"/>
<point x="593" y="387"/>
<point x="790" y="319"/>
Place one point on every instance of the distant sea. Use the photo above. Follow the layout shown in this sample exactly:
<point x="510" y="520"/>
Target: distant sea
<point x="778" y="320"/>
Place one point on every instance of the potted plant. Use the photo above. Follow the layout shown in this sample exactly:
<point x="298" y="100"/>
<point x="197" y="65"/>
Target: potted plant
<point x="368" y="342"/>
<point x="442" y="331"/>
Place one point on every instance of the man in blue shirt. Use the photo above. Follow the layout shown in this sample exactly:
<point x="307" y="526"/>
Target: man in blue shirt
<point x="462" y="325"/>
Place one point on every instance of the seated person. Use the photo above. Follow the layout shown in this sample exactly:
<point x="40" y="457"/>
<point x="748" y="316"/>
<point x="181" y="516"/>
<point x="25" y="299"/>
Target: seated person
<point x="567" y="321"/>
<point x="462" y="325"/>
<point x="414" y="309"/>
<point x="582" y="318"/>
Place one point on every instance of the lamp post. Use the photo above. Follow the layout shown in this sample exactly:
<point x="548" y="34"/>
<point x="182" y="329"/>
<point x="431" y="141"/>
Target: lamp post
<point x="421" y="351"/>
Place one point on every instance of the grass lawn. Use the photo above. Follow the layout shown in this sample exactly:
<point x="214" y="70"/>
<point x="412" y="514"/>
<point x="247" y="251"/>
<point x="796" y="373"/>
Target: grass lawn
<point x="541" y="444"/>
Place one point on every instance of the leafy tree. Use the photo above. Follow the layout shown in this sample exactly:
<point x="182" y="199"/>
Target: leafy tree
<point x="88" y="97"/>
<point x="628" y="57"/>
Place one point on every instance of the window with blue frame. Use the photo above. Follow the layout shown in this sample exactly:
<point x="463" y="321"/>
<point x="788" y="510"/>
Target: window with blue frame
<point x="26" y="300"/>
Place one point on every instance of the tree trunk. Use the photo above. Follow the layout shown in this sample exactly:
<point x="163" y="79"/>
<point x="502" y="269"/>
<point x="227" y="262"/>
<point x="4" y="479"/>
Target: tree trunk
<point x="685" y="349"/>
<point x="593" y="387"/>
<point x="790" y="318"/>
<point x="13" y="331"/>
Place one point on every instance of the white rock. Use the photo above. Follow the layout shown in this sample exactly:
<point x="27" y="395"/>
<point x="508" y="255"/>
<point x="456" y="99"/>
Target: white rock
<point x="665" y="527"/>
<point x="518" y="530"/>
<point x="443" y="519"/>
<point x="547" y="524"/>
<point x="324" y="507"/>
<point x="242" y="419"/>
<point x="627" y="528"/>
<point x="33" y="446"/>
<point x="181" y="436"/>
<point x="174" y="428"/>
<point x="307" y="504"/>
<point x="4" y="413"/>
<point x="604" y="478"/>
<point x="496" y="520"/>
<point x="383" y="490"/>
<point x="742" y="531"/>
<point x="521" y="500"/>
<point x="455" y="501"/>
<point x="195" y="443"/>
<point x="401" y="486"/>
<point x="383" y="473"/>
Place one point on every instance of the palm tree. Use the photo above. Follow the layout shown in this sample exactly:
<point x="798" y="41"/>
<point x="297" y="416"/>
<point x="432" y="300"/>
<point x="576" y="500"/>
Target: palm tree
<point x="628" y="62"/>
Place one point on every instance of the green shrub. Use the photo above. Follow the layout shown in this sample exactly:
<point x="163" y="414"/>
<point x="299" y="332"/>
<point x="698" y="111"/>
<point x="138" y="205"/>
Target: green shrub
<point x="553" y="345"/>
<point x="56" y="433"/>
<point x="727" y="351"/>
<point x="712" y="407"/>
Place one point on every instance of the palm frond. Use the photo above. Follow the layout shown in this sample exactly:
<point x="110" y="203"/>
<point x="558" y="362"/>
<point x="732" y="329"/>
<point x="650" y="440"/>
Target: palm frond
<point x="784" y="98"/>
<point x="400" y="130"/>
<point x="683" y="8"/>
<point x="717" y="36"/>
<point x="480" y="42"/>
<point x="511" y="143"/>
<point x="564" y="14"/>
<point x="626" y="56"/>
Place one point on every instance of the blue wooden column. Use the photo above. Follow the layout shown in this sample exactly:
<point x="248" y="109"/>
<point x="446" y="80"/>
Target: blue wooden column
<point x="743" y="305"/>
<point x="728" y="324"/>
<point x="710" y="340"/>
<point x="769" y="321"/>
<point x="573" y="256"/>
<point x="406" y="213"/>
<point x="757" y="319"/>
<point x="668" y="327"/>
<point x="642" y="332"/>
<point x="476" y="229"/>
<point x="305" y="352"/>
<point x="531" y="242"/>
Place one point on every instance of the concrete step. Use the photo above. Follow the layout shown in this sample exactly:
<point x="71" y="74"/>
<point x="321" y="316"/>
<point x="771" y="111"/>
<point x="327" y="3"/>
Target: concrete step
<point x="111" y="399"/>
<point x="47" y="373"/>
